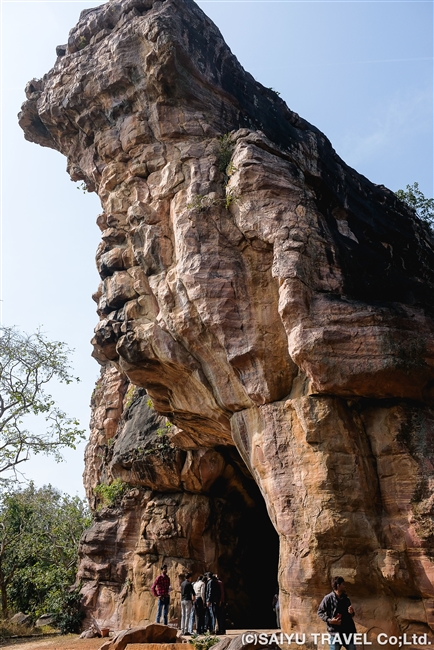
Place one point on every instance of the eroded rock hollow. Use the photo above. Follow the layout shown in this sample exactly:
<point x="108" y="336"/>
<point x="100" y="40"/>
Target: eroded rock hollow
<point x="273" y="310"/>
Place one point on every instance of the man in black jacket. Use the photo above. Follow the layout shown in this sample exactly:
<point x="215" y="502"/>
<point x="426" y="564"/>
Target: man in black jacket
<point x="336" y="610"/>
<point x="213" y="597"/>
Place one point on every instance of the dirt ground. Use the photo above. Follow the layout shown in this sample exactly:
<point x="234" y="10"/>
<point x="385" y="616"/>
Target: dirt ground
<point x="72" y="642"/>
<point x="68" y="642"/>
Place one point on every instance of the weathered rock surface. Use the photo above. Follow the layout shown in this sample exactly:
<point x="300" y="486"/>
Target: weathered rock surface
<point x="265" y="295"/>
<point x="195" y="509"/>
<point x="149" y="634"/>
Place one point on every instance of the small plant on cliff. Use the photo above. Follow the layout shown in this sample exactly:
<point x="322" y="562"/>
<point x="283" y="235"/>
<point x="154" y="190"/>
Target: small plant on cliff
<point x="231" y="169"/>
<point x="231" y="198"/>
<point x="82" y="186"/>
<point x="82" y="42"/>
<point x="111" y="495"/>
<point x="129" y="398"/>
<point x="203" y="642"/>
<point x="224" y="152"/>
<point x="162" y="432"/>
<point x="424" y="207"/>
<point x="200" y="203"/>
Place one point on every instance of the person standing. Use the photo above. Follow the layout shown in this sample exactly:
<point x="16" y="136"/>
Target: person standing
<point x="187" y="600"/>
<point x="161" y="590"/>
<point x="336" y="610"/>
<point x="276" y="608"/>
<point x="199" y="604"/>
<point x="212" y="596"/>
<point x="221" y="615"/>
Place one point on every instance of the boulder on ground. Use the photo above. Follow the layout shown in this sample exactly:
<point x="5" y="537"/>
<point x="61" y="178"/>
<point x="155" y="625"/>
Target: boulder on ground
<point x="91" y="633"/>
<point x="45" y="619"/>
<point x="21" y="619"/>
<point x="151" y="633"/>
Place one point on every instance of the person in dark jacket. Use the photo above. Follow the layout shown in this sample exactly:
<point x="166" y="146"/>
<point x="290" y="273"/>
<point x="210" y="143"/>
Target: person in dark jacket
<point x="187" y="600"/>
<point x="336" y="610"/>
<point x="213" y="597"/>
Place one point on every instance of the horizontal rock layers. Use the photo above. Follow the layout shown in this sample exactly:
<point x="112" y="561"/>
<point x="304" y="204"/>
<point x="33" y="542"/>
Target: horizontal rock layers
<point x="265" y="295"/>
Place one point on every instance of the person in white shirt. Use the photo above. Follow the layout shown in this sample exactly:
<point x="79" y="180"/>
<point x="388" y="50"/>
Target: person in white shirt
<point x="199" y="604"/>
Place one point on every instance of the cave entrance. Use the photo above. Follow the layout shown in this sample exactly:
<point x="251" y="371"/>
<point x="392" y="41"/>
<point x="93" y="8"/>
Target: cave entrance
<point x="248" y="547"/>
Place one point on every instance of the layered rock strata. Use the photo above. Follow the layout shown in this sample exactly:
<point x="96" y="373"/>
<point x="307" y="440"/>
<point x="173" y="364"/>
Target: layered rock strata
<point x="265" y="295"/>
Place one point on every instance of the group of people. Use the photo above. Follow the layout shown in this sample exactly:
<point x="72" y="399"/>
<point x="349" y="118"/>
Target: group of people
<point x="202" y="606"/>
<point x="202" y="602"/>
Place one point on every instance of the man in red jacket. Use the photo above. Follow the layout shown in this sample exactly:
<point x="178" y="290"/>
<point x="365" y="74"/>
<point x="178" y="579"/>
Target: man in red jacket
<point x="161" y="590"/>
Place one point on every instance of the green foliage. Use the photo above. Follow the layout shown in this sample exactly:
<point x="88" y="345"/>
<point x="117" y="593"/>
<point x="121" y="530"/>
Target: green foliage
<point x="82" y="186"/>
<point x="231" y="169"/>
<point x="201" y="203"/>
<point x="413" y="196"/>
<point x="130" y="396"/>
<point x="149" y="403"/>
<point x="203" y="642"/>
<point x="82" y="42"/>
<point x="162" y="432"/>
<point x="225" y="150"/>
<point x="231" y="198"/>
<point x="27" y="365"/>
<point x="67" y="611"/>
<point x="39" y="534"/>
<point x="110" y="495"/>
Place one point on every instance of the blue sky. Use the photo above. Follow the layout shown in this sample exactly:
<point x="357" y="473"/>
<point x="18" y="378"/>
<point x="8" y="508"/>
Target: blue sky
<point x="362" y="72"/>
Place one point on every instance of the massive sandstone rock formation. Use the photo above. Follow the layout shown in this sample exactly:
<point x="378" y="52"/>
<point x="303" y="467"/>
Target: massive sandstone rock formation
<point x="268" y="302"/>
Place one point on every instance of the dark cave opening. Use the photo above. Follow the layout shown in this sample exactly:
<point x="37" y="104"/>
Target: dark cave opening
<point x="248" y="548"/>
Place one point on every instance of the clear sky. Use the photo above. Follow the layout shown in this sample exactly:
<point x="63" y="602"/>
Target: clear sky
<point x="361" y="71"/>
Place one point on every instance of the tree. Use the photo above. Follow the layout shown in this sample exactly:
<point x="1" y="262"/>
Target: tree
<point x="423" y="207"/>
<point x="39" y="534"/>
<point x="27" y="365"/>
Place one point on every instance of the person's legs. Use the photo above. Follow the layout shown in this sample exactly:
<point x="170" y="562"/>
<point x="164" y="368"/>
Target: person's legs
<point x="159" y="610"/>
<point x="183" y="616"/>
<point x="166" y="610"/>
<point x="335" y="645"/>
<point x="200" y="616"/>
<point x="221" y="619"/>
<point x="211" y="618"/>
<point x="190" y="616"/>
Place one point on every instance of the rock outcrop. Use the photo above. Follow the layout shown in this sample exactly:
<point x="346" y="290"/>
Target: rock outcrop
<point x="269" y="303"/>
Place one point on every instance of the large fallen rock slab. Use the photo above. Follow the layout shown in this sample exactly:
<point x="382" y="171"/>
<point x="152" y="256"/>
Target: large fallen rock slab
<point x="154" y="633"/>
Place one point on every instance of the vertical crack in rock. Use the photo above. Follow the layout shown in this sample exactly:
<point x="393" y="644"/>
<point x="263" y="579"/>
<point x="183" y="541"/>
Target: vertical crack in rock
<point x="259" y="300"/>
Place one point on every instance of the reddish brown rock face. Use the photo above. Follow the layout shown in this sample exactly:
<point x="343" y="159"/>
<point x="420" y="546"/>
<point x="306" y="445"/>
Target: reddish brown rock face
<point x="266" y="296"/>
